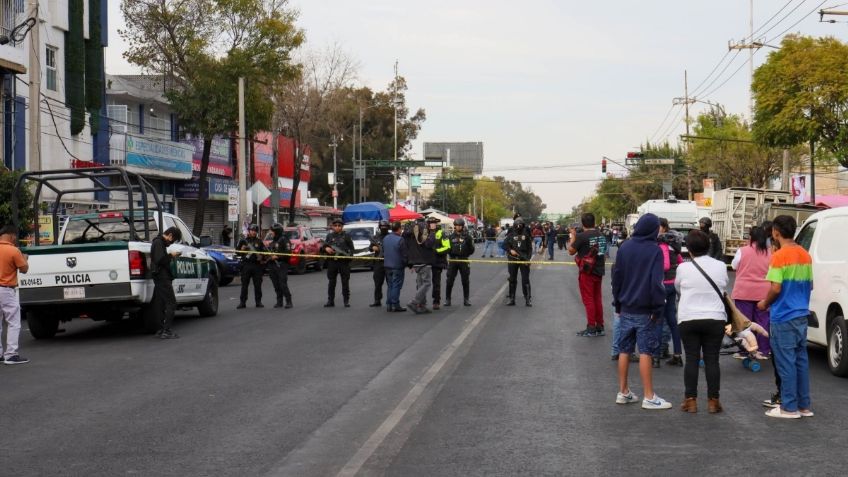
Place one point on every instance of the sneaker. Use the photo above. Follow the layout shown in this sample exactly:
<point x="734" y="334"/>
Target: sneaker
<point x="773" y="401"/>
<point x="589" y="332"/>
<point x="241" y="306"/>
<point x="740" y="355"/>
<point x="628" y="398"/>
<point x="780" y="413"/>
<point x="16" y="359"/>
<point x="168" y="335"/>
<point x="655" y="403"/>
<point x="675" y="361"/>
<point x="806" y="413"/>
<point x="599" y="331"/>
<point x="759" y="356"/>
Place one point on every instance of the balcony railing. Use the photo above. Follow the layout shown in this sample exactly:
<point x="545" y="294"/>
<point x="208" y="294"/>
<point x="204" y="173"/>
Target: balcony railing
<point x="11" y="14"/>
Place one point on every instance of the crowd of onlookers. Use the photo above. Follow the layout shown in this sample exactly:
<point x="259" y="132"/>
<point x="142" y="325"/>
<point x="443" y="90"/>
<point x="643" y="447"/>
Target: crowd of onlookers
<point x="661" y="297"/>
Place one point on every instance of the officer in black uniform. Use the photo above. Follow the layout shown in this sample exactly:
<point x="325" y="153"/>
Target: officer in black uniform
<point x="338" y="244"/>
<point x="252" y="265"/>
<point x="461" y="247"/>
<point x="164" y="303"/>
<point x="519" y="248"/>
<point x="379" y="269"/>
<point x="278" y="265"/>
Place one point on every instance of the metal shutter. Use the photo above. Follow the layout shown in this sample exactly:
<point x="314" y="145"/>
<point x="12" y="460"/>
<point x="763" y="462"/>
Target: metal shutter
<point x="215" y="216"/>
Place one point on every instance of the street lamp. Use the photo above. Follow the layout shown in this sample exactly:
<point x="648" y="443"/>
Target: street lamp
<point x="334" y="145"/>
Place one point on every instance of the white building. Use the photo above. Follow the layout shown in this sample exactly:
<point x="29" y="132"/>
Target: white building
<point x="57" y="147"/>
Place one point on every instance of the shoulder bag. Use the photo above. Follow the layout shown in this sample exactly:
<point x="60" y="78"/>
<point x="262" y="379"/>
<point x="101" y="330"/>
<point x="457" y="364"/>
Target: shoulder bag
<point x="735" y="318"/>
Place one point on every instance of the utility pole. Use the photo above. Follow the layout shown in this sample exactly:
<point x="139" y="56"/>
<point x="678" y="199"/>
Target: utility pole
<point x="334" y="145"/>
<point x="353" y="160"/>
<point x="685" y="101"/>
<point x="394" y="106"/>
<point x="750" y="45"/>
<point x="784" y="174"/>
<point x="244" y="213"/>
<point x="275" y="187"/>
<point x="361" y="161"/>
<point x="35" y="90"/>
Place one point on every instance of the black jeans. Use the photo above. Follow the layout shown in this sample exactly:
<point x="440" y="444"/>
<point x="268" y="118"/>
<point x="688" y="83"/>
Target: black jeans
<point x="334" y="269"/>
<point x="279" y="273"/>
<point x="251" y="271"/>
<point x="379" y="280"/>
<point x="702" y="338"/>
<point x="164" y="301"/>
<point x="513" y="269"/>
<point x="464" y="271"/>
<point x="437" y="284"/>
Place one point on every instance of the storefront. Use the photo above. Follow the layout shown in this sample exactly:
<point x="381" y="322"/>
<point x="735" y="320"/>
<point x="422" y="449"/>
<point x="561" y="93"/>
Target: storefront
<point x="220" y="178"/>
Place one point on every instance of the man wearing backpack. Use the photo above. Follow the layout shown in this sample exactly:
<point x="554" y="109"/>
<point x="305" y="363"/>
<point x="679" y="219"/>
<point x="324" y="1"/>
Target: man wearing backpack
<point x="589" y="248"/>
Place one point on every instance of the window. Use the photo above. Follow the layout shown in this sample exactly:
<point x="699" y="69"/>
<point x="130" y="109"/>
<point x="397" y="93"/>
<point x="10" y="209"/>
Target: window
<point x="98" y="229"/>
<point x="50" y="60"/>
<point x="805" y="237"/>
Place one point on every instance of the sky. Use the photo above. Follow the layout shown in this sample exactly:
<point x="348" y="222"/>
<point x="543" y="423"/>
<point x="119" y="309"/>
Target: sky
<point x="549" y="87"/>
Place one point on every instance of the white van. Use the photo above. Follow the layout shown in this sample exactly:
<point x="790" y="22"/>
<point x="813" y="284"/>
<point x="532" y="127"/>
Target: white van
<point x="361" y="232"/>
<point x="823" y="235"/>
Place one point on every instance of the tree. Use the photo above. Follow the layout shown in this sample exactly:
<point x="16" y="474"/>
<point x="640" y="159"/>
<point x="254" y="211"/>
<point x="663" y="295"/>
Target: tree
<point x="528" y="204"/>
<point x="26" y="214"/>
<point x="202" y="47"/>
<point x="300" y="104"/>
<point x="730" y="155"/>
<point x="801" y="96"/>
<point x="492" y="200"/>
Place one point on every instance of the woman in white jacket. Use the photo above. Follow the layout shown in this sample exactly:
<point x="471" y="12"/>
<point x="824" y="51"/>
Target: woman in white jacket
<point x="701" y="319"/>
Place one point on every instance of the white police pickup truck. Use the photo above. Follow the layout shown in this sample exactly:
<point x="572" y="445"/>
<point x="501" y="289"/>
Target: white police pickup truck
<point x="98" y="266"/>
<point x="95" y="271"/>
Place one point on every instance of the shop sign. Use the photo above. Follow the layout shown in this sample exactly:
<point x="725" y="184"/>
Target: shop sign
<point x="158" y="158"/>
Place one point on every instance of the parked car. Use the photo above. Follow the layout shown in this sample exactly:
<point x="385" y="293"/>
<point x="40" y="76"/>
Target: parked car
<point x="822" y="235"/>
<point x="361" y="233"/>
<point x="229" y="266"/>
<point x="320" y="232"/>
<point x="304" y="242"/>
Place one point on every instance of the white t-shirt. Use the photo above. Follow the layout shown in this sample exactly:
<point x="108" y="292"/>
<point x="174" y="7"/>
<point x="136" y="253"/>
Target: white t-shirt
<point x="698" y="299"/>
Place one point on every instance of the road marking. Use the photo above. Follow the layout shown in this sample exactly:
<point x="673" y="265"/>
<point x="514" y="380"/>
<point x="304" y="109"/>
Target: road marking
<point x="354" y="465"/>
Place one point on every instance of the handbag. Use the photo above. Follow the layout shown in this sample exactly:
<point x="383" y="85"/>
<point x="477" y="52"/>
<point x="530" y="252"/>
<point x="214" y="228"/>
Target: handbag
<point x="735" y="318"/>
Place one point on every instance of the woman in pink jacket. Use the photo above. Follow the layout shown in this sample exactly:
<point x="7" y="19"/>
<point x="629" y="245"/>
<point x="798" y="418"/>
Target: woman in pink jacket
<point x="751" y="264"/>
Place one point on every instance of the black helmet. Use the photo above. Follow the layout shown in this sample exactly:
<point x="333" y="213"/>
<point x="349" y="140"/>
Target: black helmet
<point x="519" y="222"/>
<point x="706" y="222"/>
<point x="384" y="223"/>
<point x="253" y="228"/>
<point x="459" y="221"/>
<point x="277" y="226"/>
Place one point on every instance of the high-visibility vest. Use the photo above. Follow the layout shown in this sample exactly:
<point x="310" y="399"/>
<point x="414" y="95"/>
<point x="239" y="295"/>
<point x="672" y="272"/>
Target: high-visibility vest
<point x="443" y="242"/>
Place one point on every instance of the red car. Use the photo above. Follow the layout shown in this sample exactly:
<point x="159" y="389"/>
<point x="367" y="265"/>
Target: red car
<point x="304" y="242"/>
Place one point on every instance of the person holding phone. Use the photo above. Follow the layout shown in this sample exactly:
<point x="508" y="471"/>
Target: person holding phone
<point x="164" y="302"/>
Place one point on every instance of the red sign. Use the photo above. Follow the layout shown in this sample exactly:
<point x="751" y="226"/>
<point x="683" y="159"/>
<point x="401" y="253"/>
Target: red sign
<point x="263" y="160"/>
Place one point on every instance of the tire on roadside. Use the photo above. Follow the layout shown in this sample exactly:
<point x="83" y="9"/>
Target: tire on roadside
<point x="42" y="325"/>
<point x="837" y="352"/>
<point x="209" y="306"/>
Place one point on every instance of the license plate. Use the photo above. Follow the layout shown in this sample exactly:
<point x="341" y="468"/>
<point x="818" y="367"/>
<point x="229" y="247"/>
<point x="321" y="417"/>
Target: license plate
<point x="73" y="293"/>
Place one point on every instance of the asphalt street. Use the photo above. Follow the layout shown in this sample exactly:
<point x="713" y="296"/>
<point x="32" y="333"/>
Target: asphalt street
<point x="480" y="390"/>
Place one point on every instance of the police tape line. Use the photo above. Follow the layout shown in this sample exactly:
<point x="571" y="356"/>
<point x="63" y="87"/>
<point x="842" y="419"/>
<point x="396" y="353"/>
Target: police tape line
<point x="366" y="258"/>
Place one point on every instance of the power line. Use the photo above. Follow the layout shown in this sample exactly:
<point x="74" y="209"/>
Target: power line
<point x="796" y="23"/>
<point x="667" y="114"/>
<point x="718" y="76"/>
<point x="671" y="126"/>
<point x="750" y="38"/>
<point x="707" y="95"/>
<point x="696" y="88"/>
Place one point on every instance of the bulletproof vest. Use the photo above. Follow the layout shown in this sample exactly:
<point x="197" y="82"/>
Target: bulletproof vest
<point x="458" y="246"/>
<point x="337" y="241"/>
<point x="254" y="244"/>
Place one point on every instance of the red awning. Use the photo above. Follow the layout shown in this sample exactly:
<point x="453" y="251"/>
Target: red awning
<point x="401" y="213"/>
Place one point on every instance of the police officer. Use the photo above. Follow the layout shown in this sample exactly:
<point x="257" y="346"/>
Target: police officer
<point x="164" y="303"/>
<point x="278" y="266"/>
<point x="338" y="244"/>
<point x="461" y="247"/>
<point x="519" y="248"/>
<point x="441" y="246"/>
<point x="252" y="265"/>
<point x="379" y="269"/>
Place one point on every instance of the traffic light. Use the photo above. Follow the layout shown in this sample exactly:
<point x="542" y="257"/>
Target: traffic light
<point x="604" y="166"/>
<point x="635" y="155"/>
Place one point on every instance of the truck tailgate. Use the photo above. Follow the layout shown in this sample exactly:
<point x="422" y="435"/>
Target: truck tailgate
<point x="75" y="273"/>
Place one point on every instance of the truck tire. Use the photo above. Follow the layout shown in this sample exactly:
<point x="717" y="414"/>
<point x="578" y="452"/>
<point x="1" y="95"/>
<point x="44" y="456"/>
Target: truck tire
<point x="837" y="347"/>
<point x="209" y="305"/>
<point x="222" y="280"/>
<point x="41" y="325"/>
<point x="300" y="268"/>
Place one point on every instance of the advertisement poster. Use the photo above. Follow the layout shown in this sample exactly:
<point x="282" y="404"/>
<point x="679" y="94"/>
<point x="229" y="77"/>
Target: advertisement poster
<point x="799" y="188"/>
<point x="220" y="163"/>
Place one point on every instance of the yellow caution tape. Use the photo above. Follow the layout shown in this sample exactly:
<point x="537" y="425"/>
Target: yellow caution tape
<point x="365" y="258"/>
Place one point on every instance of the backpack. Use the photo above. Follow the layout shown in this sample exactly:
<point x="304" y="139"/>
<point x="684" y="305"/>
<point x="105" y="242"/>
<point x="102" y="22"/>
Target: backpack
<point x="587" y="264"/>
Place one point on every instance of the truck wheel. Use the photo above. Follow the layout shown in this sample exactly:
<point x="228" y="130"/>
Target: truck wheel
<point x="300" y="269"/>
<point x="42" y="325"/>
<point x="837" y="353"/>
<point x="209" y="305"/>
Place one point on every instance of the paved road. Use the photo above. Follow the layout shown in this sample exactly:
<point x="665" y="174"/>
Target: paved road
<point x="481" y="390"/>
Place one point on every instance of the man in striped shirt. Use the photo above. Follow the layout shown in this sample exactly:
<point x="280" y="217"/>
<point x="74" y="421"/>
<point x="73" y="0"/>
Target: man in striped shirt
<point x="791" y="276"/>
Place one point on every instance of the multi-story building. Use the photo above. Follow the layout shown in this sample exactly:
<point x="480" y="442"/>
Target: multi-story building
<point x="64" y="38"/>
<point x="462" y="156"/>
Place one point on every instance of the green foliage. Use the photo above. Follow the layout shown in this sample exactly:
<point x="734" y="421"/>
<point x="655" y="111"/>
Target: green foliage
<point x="8" y="181"/>
<point x="75" y="66"/>
<point x="801" y="95"/>
<point x="94" y="66"/>
<point x="730" y="157"/>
